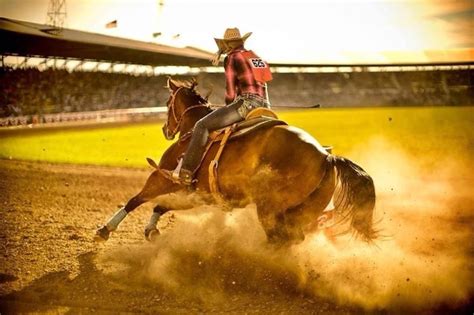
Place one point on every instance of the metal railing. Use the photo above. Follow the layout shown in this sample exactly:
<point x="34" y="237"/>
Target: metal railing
<point x="109" y="115"/>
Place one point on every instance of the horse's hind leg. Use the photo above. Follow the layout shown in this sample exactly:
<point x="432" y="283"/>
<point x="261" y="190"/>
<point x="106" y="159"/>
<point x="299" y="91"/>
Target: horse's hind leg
<point x="284" y="227"/>
<point x="292" y="226"/>
<point x="304" y="217"/>
<point x="155" y="186"/>
<point x="271" y="217"/>
<point x="288" y="225"/>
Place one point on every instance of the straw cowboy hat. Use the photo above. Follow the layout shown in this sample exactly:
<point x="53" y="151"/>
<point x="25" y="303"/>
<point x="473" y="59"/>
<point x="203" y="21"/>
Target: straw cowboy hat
<point x="231" y="34"/>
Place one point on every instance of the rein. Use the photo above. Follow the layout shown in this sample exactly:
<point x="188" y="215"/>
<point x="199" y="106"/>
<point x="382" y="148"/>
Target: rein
<point x="179" y="120"/>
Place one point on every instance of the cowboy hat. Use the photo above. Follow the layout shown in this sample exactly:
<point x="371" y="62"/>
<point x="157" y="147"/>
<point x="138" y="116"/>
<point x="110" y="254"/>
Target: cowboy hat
<point x="231" y="34"/>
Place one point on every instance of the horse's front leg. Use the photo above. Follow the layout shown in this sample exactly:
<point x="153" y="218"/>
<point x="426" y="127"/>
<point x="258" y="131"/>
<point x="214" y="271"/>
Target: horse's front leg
<point x="157" y="184"/>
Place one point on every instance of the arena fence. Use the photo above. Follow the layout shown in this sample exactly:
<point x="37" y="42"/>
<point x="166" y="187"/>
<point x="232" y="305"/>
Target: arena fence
<point x="101" y="116"/>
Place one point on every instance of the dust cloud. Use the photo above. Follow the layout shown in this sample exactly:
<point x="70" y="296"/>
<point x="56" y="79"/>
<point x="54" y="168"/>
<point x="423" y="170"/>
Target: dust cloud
<point x="422" y="259"/>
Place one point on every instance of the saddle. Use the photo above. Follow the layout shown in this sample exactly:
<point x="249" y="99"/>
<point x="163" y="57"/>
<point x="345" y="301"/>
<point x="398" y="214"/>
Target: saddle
<point x="258" y="119"/>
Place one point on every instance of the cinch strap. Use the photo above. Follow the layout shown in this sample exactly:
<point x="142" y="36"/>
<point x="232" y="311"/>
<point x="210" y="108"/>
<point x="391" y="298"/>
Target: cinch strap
<point x="213" y="182"/>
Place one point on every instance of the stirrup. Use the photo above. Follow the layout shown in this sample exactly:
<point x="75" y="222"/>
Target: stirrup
<point x="181" y="177"/>
<point x="177" y="170"/>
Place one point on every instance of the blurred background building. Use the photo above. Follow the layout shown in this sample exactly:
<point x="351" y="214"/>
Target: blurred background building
<point x="47" y="68"/>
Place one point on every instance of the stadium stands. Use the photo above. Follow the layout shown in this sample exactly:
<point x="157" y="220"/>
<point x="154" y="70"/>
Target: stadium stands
<point x="33" y="92"/>
<point x="52" y="93"/>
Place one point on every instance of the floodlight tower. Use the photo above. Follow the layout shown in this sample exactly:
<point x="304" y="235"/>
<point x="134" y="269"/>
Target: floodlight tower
<point x="161" y="4"/>
<point x="158" y="21"/>
<point x="56" y="14"/>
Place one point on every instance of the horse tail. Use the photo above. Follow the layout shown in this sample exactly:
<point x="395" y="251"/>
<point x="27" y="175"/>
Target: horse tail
<point x="354" y="197"/>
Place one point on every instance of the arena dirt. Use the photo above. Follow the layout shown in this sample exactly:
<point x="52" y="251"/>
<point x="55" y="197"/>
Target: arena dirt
<point x="207" y="260"/>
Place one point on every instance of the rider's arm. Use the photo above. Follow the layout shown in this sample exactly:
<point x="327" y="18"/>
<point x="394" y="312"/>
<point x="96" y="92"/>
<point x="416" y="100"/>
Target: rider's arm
<point x="230" y="80"/>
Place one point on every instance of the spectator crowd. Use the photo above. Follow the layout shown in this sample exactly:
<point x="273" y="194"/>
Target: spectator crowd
<point x="29" y="91"/>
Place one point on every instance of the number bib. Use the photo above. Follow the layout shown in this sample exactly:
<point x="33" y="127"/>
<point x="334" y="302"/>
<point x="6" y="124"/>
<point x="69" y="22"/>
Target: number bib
<point x="260" y="69"/>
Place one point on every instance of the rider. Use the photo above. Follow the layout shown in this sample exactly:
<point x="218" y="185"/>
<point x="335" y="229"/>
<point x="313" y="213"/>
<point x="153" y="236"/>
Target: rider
<point x="246" y="76"/>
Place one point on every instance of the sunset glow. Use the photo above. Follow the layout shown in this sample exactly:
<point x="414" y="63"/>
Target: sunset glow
<point x="370" y="31"/>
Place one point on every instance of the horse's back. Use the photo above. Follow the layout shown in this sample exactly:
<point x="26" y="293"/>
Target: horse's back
<point x="295" y="152"/>
<point x="289" y="137"/>
<point x="284" y="159"/>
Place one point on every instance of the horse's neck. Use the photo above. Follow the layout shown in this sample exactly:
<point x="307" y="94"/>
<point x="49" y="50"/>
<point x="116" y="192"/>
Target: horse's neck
<point x="191" y="119"/>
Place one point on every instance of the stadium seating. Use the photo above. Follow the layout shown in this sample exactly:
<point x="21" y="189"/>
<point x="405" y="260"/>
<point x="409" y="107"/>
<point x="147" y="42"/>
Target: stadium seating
<point x="29" y="91"/>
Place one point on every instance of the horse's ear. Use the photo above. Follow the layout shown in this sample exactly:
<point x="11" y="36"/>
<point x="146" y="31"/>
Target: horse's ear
<point x="194" y="83"/>
<point x="171" y="84"/>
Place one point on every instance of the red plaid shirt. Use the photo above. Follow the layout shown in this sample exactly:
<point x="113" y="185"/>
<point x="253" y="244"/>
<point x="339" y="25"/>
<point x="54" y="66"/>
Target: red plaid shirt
<point x="239" y="77"/>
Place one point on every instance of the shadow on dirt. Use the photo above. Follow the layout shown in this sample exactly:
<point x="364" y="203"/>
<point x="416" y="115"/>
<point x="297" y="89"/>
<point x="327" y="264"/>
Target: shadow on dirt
<point x="95" y="291"/>
<point x="90" y="291"/>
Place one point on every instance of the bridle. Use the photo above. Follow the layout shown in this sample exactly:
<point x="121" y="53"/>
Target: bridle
<point x="178" y="120"/>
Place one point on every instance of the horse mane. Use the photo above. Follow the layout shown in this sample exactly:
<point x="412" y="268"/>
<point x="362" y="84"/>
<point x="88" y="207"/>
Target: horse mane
<point x="190" y="85"/>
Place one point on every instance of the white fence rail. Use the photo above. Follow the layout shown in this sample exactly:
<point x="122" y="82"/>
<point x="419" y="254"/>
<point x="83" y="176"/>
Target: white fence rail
<point x="100" y="116"/>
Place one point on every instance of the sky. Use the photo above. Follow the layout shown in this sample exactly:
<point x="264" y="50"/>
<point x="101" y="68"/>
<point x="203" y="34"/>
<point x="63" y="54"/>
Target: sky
<point x="298" y="31"/>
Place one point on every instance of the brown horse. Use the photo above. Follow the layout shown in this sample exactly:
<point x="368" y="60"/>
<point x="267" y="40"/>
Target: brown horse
<point x="282" y="169"/>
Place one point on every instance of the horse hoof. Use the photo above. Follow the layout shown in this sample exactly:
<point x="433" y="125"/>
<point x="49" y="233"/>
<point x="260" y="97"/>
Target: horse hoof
<point x="102" y="234"/>
<point x="151" y="234"/>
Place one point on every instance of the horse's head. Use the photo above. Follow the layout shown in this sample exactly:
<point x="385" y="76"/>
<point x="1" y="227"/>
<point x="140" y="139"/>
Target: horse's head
<point x="183" y="98"/>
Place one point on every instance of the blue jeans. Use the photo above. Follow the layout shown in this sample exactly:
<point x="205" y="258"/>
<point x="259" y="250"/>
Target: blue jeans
<point x="220" y="118"/>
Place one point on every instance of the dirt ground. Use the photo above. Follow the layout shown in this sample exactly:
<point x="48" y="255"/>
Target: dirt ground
<point x="50" y="264"/>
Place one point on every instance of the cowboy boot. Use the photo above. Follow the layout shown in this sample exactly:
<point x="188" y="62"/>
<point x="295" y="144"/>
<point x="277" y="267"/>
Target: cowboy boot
<point x="180" y="175"/>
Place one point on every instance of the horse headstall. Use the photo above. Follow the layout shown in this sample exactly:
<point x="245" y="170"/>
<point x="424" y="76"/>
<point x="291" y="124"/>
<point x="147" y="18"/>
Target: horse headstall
<point x="169" y="135"/>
